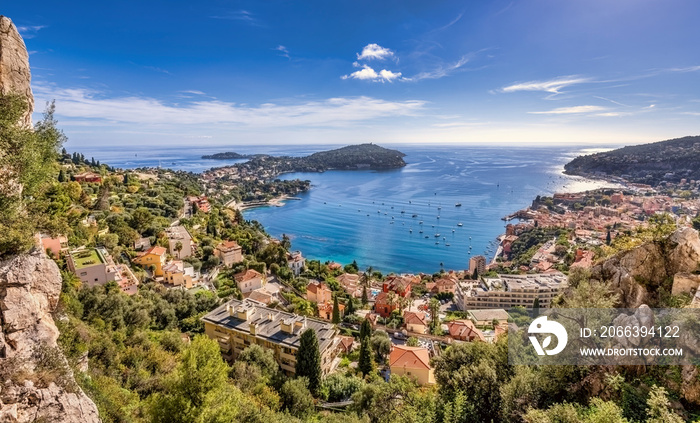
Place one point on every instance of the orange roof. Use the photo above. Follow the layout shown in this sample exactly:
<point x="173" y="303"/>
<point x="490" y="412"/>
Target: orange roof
<point x="159" y="251"/>
<point x="409" y="357"/>
<point x="465" y="329"/>
<point x="315" y="287"/>
<point x="247" y="275"/>
<point x="228" y="245"/>
<point x="346" y="341"/>
<point x="414" y="318"/>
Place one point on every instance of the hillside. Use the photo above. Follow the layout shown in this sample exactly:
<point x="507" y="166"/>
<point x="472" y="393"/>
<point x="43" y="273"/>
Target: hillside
<point x="362" y="156"/>
<point x="229" y="155"/>
<point x="670" y="160"/>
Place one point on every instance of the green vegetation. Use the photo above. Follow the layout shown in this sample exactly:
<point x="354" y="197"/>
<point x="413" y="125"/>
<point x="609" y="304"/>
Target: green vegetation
<point x="309" y="360"/>
<point x="650" y="164"/>
<point x="27" y="163"/>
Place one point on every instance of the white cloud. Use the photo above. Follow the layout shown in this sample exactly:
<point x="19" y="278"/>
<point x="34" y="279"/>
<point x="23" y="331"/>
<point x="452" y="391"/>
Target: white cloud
<point x="283" y="51"/>
<point x="29" y="31"/>
<point x="571" y="110"/>
<point x="88" y="105"/>
<point x="369" y="74"/>
<point x="552" y="86"/>
<point x="441" y="71"/>
<point x="374" y="51"/>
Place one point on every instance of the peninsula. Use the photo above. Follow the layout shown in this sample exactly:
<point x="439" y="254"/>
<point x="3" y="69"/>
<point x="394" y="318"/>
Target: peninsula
<point x="671" y="161"/>
<point x="255" y="183"/>
<point x="229" y="155"/>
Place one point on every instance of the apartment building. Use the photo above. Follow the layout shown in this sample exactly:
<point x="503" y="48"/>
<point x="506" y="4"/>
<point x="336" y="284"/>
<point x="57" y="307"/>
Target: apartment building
<point x="238" y="324"/>
<point x="93" y="266"/>
<point x="507" y="291"/>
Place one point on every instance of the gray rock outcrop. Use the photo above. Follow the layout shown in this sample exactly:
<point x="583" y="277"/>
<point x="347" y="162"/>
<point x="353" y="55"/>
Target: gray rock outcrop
<point x="37" y="383"/>
<point x="14" y="66"/>
<point x="637" y="274"/>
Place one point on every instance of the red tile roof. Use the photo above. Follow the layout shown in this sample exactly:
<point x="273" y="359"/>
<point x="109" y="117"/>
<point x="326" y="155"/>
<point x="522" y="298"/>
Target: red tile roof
<point x="409" y="357"/>
<point x="414" y="318"/>
<point x="247" y="275"/>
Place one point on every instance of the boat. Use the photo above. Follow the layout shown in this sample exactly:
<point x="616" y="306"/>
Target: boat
<point x="420" y="223"/>
<point x="427" y="236"/>
<point x="458" y="205"/>
<point x="437" y="235"/>
<point x="415" y="215"/>
<point x="437" y="242"/>
<point x="403" y="211"/>
<point x="459" y="224"/>
<point x="447" y="245"/>
<point x="410" y="230"/>
<point x="420" y="232"/>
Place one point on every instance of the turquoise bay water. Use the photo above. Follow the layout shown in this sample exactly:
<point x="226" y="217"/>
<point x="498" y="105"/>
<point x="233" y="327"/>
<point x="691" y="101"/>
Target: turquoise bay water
<point x="348" y="215"/>
<point x="357" y="215"/>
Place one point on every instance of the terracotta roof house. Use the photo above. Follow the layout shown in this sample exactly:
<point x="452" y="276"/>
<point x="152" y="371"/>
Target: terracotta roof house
<point x="413" y="362"/>
<point x="229" y="252"/>
<point x="319" y="293"/>
<point x="464" y="330"/>
<point x="415" y="321"/>
<point x="250" y="280"/>
<point x="154" y="257"/>
<point x="346" y="343"/>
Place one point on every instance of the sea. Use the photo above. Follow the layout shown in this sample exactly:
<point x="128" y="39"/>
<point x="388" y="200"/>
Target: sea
<point x="445" y="206"/>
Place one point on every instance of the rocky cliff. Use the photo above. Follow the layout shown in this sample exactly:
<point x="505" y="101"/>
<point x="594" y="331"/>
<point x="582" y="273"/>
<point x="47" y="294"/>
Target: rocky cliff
<point x="14" y="66"/>
<point x="639" y="274"/>
<point x="36" y="382"/>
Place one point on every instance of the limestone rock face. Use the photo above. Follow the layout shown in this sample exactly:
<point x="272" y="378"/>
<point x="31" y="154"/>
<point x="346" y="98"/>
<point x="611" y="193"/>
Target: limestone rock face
<point x="30" y="285"/>
<point x="638" y="273"/>
<point x="14" y="66"/>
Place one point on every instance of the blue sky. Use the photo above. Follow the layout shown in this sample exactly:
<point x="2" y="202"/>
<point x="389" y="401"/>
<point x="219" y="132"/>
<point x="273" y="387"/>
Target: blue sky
<point x="272" y="72"/>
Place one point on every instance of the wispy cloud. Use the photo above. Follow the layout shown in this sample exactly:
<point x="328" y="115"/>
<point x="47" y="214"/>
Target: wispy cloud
<point x="375" y="51"/>
<point x="241" y="15"/>
<point x="29" y="31"/>
<point x="571" y="110"/>
<point x="553" y="86"/>
<point x="283" y="51"/>
<point x="442" y="70"/>
<point x="83" y="104"/>
<point x="449" y="24"/>
<point x="369" y="74"/>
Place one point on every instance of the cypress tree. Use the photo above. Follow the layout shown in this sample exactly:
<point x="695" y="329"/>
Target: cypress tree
<point x="350" y="309"/>
<point x="365" y="364"/>
<point x="608" y="238"/>
<point x="61" y="176"/>
<point x="364" y="295"/>
<point x="536" y="308"/>
<point x="336" y="310"/>
<point x="309" y="360"/>
<point x="365" y="330"/>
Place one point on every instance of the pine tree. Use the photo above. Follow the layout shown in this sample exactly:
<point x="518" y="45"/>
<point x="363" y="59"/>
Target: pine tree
<point x="92" y="162"/>
<point x="364" y="295"/>
<point x="365" y="364"/>
<point x="309" y="360"/>
<point x="336" y="311"/>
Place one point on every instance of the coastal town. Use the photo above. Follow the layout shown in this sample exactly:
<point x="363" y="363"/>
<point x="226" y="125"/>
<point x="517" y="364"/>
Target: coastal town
<point x="271" y="299"/>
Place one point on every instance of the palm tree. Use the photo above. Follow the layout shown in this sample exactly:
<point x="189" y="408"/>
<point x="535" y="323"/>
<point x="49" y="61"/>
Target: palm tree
<point x="178" y="248"/>
<point x="391" y="298"/>
<point x="367" y="276"/>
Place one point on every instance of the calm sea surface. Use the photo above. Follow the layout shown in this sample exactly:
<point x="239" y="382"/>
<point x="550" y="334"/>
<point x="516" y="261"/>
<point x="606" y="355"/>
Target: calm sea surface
<point x="390" y="219"/>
